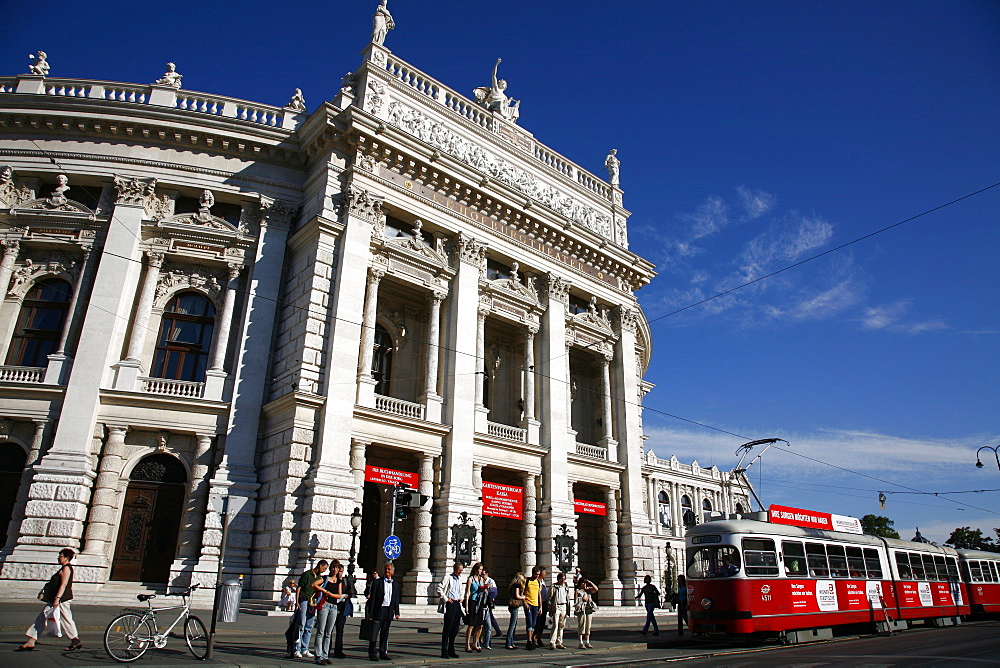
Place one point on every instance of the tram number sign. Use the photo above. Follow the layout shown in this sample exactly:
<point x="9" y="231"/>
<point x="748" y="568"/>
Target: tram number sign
<point x="393" y="547"/>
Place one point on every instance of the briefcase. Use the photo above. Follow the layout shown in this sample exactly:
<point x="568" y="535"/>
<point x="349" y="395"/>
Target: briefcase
<point x="369" y="629"/>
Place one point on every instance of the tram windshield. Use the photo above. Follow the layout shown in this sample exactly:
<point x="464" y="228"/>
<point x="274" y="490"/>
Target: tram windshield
<point x="719" y="561"/>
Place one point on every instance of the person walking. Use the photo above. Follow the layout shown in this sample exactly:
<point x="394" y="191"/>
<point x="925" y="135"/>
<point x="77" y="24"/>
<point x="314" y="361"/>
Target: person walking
<point x="490" y="626"/>
<point x="307" y="608"/>
<point x="326" y="615"/>
<point x="474" y="603"/>
<point x="584" y="607"/>
<point x="652" y="601"/>
<point x="682" y="604"/>
<point x="383" y="606"/>
<point x="543" y="610"/>
<point x="559" y="605"/>
<point x="532" y="599"/>
<point x="345" y="606"/>
<point x="514" y="606"/>
<point x="450" y="597"/>
<point x="56" y="594"/>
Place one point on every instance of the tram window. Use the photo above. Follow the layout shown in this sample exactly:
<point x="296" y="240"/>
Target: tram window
<point x="942" y="570"/>
<point x="993" y="567"/>
<point x="903" y="566"/>
<point x="952" y="568"/>
<point x="987" y="573"/>
<point x="855" y="562"/>
<point x="795" y="558"/>
<point x="917" y="564"/>
<point x="929" y="569"/>
<point x="873" y="564"/>
<point x="759" y="556"/>
<point x="816" y="556"/>
<point x="713" y="562"/>
<point x="976" y="570"/>
<point x="838" y="562"/>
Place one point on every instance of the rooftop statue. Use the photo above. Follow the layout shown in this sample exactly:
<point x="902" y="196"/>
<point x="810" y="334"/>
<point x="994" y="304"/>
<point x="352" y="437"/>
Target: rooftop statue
<point x="383" y="24"/>
<point x="612" y="163"/>
<point x="170" y="77"/>
<point x="40" y="66"/>
<point x="495" y="99"/>
<point x="298" y="101"/>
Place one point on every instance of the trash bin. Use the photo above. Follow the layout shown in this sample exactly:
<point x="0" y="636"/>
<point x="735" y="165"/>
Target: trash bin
<point x="229" y="600"/>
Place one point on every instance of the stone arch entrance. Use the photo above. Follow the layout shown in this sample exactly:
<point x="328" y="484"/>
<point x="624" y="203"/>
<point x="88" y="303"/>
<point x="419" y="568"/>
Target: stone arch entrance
<point x="12" y="461"/>
<point x="151" y="520"/>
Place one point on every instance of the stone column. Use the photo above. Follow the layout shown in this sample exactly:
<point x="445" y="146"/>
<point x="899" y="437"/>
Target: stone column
<point x="430" y="398"/>
<point x="420" y="577"/>
<point x="529" y="546"/>
<point x="613" y="584"/>
<point x="366" y="383"/>
<point x="528" y="421"/>
<point x="654" y="503"/>
<point x="11" y="247"/>
<point x="607" y="438"/>
<point x="55" y="370"/>
<point x="104" y="503"/>
<point x="215" y="377"/>
<point x="193" y="521"/>
<point x="130" y="368"/>
<point x="17" y="515"/>
<point x="357" y="461"/>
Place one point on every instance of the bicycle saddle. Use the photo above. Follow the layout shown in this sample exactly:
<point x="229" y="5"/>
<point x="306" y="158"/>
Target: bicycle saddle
<point x="145" y="597"/>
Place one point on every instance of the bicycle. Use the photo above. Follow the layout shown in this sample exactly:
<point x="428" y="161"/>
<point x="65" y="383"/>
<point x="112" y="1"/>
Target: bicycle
<point x="131" y="633"/>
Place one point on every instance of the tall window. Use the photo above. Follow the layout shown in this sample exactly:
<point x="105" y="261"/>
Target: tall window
<point x="382" y="360"/>
<point x="687" y="514"/>
<point x="706" y="506"/>
<point x="40" y="323"/>
<point x="664" y="505"/>
<point x="185" y="338"/>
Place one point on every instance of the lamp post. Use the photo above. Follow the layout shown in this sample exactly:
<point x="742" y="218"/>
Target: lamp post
<point x="670" y="568"/>
<point x="355" y="524"/>
<point x="996" y="454"/>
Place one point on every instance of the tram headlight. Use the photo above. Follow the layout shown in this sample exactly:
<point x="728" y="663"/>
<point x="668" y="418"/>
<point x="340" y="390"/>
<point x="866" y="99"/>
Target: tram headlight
<point x="706" y="603"/>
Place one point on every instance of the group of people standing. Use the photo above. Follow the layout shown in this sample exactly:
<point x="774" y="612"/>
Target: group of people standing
<point x="473" y="601"/>
<point x="324" y="602"/>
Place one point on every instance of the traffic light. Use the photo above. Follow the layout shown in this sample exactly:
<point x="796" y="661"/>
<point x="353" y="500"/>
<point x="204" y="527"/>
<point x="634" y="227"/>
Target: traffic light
<point x="404" y="499"/>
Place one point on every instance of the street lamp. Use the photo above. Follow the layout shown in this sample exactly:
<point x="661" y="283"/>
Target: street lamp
<point x="994" y="448"/>
<point x="355" y="524"/>
<point x="670" y="568"/>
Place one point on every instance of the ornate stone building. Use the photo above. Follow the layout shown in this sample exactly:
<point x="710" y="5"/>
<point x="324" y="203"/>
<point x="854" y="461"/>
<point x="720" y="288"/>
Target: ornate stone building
<point x="205" y="296"/>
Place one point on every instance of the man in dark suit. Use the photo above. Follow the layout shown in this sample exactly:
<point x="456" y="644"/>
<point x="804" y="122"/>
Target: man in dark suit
<point x="383" y="605"/>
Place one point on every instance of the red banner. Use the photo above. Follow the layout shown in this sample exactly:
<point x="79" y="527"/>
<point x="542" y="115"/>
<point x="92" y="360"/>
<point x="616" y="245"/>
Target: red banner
<point x="386" y="476"/>
<point x="813" y="519"/>
<point x="503" y="500"/>
<point x="589" y="507"/>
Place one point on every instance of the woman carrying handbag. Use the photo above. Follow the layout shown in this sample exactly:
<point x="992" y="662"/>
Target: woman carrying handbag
<point x="56" y="594"/>
<point x="475" y="606"/>
<point x="584" y="607"/>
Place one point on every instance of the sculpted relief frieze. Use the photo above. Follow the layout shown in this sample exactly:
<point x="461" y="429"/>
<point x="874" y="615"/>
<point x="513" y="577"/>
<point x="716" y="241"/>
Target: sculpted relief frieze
<point x="198" y="277"/>
<point x="436" y="134"/>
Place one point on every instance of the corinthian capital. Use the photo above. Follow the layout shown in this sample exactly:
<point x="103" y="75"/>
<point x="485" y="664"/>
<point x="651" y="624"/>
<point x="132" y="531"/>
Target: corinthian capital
<point x="276" y="211"/>
<point x="133" y="191"/>
<point x="468" y="250"/>
<point x="626" y="319"/>
<point x="363" y="204"/>
<point x="554" y="288"/>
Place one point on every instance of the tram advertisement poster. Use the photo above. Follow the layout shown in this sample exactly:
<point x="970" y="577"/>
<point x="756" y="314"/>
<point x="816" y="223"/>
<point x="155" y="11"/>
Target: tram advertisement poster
<point x="589" y="507"/>
<point x="503" y="500"/>
<point x="384" y="476"/>
<point x="813" y="519"/>
<point x="826" y="595"/>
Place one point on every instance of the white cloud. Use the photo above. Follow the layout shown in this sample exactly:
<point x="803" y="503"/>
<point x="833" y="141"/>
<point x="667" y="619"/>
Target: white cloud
<point x="785" y="242"/>
<point x="755" y="203"/>
<point x="891" y="317"/>
<point x="708" y="218"/>
<point x="824" y="304"/>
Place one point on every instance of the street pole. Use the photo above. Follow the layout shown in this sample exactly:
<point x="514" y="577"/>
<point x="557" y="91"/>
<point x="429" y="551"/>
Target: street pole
<point x="218" y="579"/>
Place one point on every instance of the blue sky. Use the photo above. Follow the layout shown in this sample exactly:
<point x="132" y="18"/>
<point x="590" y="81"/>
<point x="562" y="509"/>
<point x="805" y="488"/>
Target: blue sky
<point x="752" y="135"/>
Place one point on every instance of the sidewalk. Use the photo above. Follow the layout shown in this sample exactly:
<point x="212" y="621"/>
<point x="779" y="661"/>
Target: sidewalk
<point x="259" y="641"/>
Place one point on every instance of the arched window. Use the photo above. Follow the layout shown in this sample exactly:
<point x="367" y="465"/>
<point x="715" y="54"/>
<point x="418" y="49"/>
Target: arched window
<point x="40" y="323"/>
<point x="686" y="511"/>
<point x="664" y="508"/>
<point x="185" y="338"/>
<point x="739" y="509"/>
<point x="706" y="506"/>
<point x="382" y="360"/>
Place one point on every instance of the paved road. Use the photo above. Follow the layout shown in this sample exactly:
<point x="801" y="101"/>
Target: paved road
<point x="259" y="641"/>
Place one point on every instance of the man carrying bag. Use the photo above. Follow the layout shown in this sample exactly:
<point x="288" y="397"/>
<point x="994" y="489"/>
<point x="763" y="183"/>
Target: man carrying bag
<point x="382" y="607"/>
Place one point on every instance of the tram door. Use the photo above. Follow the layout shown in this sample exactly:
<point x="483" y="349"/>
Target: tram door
<point x="12" y="461"/>
<point x="151" y="521"/>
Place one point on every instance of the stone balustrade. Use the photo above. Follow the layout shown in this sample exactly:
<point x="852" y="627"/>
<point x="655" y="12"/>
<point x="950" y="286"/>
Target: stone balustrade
<point x="22" y="374"/>
<point x="506" y="431"/>
<point x="173" y="388"/>
<point x="592" y="451"/>
<point x="399" y="407"/>
<point x="204" y="103"/>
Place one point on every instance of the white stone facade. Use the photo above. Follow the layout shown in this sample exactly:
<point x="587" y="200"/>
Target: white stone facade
<point x="401" y="279"/>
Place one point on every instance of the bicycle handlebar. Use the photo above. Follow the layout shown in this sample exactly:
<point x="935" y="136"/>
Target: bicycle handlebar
<point x="187" y="591"/>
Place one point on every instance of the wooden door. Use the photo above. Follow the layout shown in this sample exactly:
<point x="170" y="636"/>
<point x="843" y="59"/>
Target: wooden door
<point x="137" y="517"/>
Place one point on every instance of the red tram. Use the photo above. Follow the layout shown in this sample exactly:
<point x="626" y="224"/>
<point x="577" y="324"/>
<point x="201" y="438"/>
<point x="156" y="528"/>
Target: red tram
<point x="758" y="577"/>
<point x="981" y="573"/>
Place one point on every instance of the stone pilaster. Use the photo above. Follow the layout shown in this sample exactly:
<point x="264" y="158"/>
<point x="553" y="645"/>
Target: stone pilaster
<point x="420" y="580"/>
<point x="195" y="510"/>
<point x="215" y="377"/>
<point x="430" y="398"/>
<point x="528" y="421"/>
<point x="104" y="503"/>
<point x="529" y="530"/>
<point x="11" y="247"/>
<point x="129" y="369"/>
<point x="366" y="383"/>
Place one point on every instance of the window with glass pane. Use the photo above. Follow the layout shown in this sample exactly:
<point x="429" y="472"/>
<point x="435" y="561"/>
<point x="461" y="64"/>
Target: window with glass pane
<point x="816" y="556"/>
<point x="917" y="564"/>
<point x="994" y="568"/>
<point x="185" y="338"/>
<point x="930" y="570"/>
<point x="987" y="573"/>
<point x="855" y="562"/>
<point x="759" y="556"/>
<point x="838" y="561"/>
<point x="903" y="566"/>
<point x="952" y="568"/>
<point x="663" y="501"/>
<point x="713" y="562"/>
<point x="942" y="570"/>
<point x="40" y="323"/>
<point x="976" y="570"/>
<point x="873" y="564"/>
<point x="794" y="555"/>
<point x="382" y="360"/>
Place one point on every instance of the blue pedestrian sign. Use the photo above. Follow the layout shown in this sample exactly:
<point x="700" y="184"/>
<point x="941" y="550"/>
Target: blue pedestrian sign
<point x="393" y="547"/>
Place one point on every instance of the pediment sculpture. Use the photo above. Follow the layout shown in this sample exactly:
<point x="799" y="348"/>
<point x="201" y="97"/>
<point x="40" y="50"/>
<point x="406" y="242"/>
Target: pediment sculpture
<point x="11" y="194"/>
<point x="203" y="217"/>
<point x="57" y="201"/>
<point x="514" y="285"/>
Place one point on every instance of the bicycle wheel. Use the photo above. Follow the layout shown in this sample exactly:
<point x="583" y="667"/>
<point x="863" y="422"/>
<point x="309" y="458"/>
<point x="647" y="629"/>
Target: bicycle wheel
<point x="196" y="637"/>
<point x="127" y="637"/>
